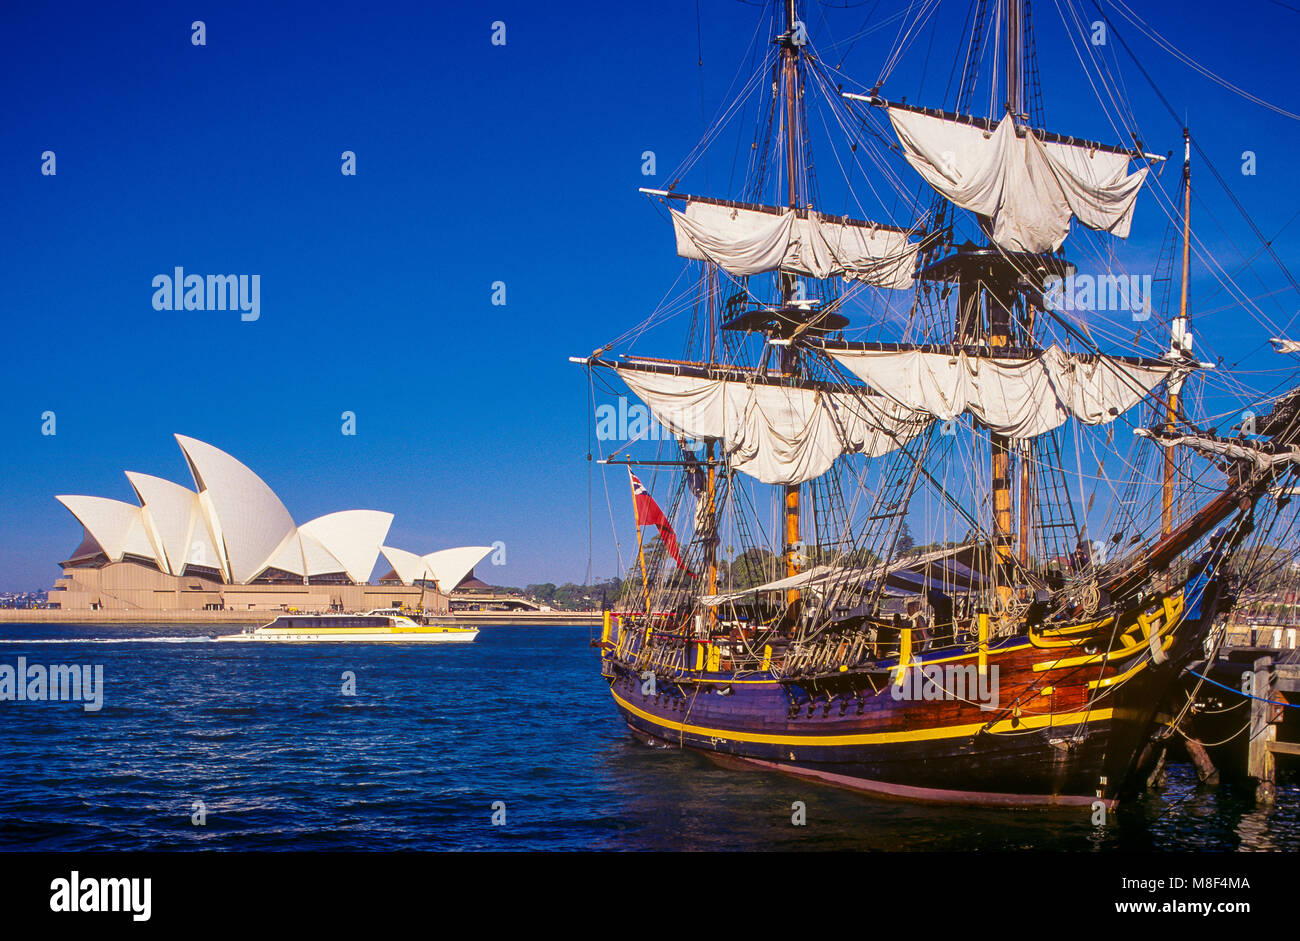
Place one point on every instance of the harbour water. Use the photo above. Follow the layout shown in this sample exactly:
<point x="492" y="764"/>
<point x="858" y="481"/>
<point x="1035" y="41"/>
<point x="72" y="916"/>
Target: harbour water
<point x="201" y="745"/>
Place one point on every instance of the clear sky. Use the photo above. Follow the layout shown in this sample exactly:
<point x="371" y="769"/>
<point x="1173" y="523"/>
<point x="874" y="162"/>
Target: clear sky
<point x="476" y="163"/>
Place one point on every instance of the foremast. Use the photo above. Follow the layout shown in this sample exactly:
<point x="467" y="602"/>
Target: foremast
<point x="1179" y="346"/>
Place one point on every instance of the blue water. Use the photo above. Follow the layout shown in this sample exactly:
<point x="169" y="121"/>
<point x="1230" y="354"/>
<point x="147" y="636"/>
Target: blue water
<point x="434" y="736"/>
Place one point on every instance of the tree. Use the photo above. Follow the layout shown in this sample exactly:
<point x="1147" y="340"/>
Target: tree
<point x="752" y="567"/>
<point x="543" y="592"/>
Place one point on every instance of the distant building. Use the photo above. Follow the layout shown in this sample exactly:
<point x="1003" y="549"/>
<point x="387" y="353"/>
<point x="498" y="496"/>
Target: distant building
<point x="230" y="544"/>
<point x="474" y="594"/>
<point x="473" y="585"/>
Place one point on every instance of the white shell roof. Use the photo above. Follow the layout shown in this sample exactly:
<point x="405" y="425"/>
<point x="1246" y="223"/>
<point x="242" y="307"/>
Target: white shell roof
<point x="448" y="567"/>
<point x="235" y="523"/>
<point x="118" y="527"/>
<point x="303" y="554"/>
<point x="408" y="566"/>
<point x="318" y="560"/>
<point x="288" y="557"/>
<point x="352" y="537"/>
<point x="174" y="522"/>
<point x="247" y="518"/>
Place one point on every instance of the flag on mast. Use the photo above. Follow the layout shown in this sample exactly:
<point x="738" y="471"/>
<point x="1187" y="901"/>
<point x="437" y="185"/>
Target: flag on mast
<point x="648" y="514"/>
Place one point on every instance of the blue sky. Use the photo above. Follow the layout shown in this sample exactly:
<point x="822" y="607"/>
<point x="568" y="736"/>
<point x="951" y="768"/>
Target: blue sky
<point x="476" y="163"/>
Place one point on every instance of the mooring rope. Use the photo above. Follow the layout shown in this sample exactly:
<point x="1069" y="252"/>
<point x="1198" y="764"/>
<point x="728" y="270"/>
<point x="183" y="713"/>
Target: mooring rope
<point x="1232" y="689"/>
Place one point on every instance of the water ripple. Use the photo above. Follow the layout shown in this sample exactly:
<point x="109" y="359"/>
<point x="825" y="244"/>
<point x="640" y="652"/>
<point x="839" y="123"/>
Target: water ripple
<point x="280" y="759"/>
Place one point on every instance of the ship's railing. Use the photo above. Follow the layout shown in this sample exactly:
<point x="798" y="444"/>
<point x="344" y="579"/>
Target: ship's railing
<point x="670" y="645"/>
<point x="673" y="645"/>
<point x="865" y="646"/>
<point x="626" y="637"/>
<point x="826" y="654"/>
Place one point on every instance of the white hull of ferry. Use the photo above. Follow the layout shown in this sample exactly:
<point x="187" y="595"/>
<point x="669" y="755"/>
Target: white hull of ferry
<point x="439" y="636"/>
<point x="376" y="627"/>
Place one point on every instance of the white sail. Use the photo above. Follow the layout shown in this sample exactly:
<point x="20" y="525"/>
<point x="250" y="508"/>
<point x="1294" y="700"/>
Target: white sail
<point x="776" y="434"/>
<point x="1026" y="189"/>
<point x="751" y="241"/>
<point x="1015" y="397"/>
<point x="1238" y="450"/>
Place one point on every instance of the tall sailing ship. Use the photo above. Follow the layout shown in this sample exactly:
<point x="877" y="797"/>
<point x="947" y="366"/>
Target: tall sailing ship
<point x="814" y="419"/>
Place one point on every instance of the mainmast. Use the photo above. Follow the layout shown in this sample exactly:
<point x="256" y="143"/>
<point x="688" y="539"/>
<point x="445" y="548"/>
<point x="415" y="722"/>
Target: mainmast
<point x="1001" y="283"/>
<point x="789" y="282"/>
<point x="989" y="293"/>
<point x="711" y="483"/>
<point x="1015" y="94"/>
<point x="1000" y="312"/>
<point x="1178" y="342"/>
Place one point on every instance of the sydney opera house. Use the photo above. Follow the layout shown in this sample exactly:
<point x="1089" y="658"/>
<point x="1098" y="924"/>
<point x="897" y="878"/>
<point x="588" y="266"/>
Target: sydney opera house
<point x="230" y="545"/>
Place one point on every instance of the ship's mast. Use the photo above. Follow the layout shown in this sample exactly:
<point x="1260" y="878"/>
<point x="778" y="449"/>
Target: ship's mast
<point x="789" y="355"/>
<point x="990" y="298"/>
<point x="710" y="493"/>
<point x="1015" y="93"/>
<point x="1000" y="311"/>
<point x="1177" y="346"/>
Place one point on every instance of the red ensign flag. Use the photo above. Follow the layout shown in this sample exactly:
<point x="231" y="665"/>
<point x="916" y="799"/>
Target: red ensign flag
<point x="649" y="514"/>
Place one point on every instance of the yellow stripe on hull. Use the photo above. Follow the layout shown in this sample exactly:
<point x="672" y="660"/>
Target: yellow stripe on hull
<point x="870" y="738"/>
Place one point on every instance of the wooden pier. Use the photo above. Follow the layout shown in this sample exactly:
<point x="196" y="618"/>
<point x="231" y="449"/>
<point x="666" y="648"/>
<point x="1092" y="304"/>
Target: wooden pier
<point x="1240" y="724"/>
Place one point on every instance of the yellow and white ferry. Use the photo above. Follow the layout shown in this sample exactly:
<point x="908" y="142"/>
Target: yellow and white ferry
<point x="385" y="626"/>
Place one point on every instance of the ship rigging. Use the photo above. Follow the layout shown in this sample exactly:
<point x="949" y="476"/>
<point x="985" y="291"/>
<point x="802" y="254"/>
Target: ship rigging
<point x="851" y="374"/>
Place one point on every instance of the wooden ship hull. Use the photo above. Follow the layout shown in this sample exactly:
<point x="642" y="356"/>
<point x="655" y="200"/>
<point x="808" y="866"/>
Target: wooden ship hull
<point x="1071" y="725"/>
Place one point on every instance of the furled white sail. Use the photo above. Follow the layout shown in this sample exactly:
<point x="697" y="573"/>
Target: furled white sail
<point x="751" y="241"/>
<point x="1238" y="450"/>
<point x="1026" y="189"/>
<point x="1019" y="398"/>
<point x="776" y="434"/>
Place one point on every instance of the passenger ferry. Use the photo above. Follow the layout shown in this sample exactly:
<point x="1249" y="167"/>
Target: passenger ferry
<point x="385" y="626"/>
